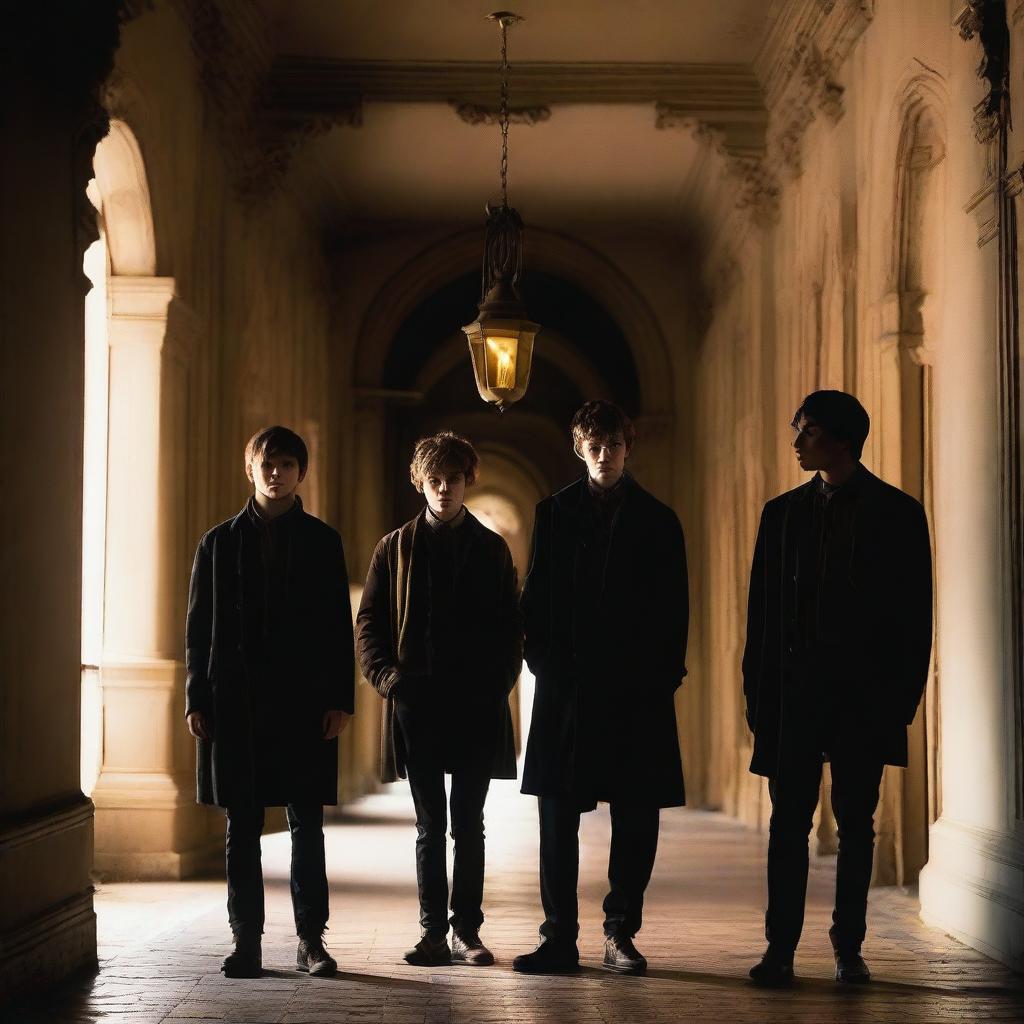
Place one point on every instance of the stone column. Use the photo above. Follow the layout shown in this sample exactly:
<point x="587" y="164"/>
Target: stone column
<point x="53" y="66"/>
<point x="147" y="824"/>
<point x="973" y="883"/>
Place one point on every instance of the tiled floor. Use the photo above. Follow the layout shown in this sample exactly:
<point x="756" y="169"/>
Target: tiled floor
<point x="161" y="945"/>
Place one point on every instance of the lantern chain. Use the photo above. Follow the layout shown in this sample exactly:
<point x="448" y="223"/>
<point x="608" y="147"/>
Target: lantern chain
<point x="504" y="111"/>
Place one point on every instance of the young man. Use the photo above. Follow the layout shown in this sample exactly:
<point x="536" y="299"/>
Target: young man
<point x="439" y="639"/>
<point x="269" y="686"/>
<point x="606" y="613"/>
<point x="839" y="628"/>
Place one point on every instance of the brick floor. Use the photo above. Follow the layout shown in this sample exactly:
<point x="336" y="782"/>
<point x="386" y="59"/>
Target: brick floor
<point x="161" y="944"/>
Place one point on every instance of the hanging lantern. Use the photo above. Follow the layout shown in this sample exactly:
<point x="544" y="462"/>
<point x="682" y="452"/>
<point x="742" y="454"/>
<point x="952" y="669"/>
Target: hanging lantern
<point x="501" y="338"/>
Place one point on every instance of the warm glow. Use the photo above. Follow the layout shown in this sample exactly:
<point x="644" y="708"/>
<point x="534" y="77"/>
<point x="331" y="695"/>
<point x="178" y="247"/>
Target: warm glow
<point x="94" y="494"/>
<point x="503" y="351"/>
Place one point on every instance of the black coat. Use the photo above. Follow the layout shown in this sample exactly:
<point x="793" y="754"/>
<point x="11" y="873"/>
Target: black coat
<point x="394" y="642"/>
<point x="265" y="693"/>
<point x="877" y="609"/>
<point x="608" y="660"/>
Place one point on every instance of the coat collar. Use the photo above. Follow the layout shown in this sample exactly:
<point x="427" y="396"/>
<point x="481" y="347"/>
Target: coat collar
<point x="243" y="515"/>
<point x="572" y="497"/>
<point x="862" y="482"/>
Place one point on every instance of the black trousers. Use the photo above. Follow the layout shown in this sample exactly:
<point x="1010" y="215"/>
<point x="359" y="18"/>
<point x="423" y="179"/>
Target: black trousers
<point x="426" y="762"/>
<point x="856" y="776"/>
<point x="245" y="869"/>
<point x="630" y="863"/>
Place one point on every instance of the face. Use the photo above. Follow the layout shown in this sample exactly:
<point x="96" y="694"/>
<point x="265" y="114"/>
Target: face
<point x="275" y="476"/>
<point x="816" y="449"/>
<point x="605" y="458"/>
<point x="445" y="491"/>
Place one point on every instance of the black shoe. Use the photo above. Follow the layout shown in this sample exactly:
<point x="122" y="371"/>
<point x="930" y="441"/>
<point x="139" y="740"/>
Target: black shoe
<point x="774" y="971"/>
<point x="312" y="958"/>
<point x="622" y="957"/>
<point x="430" y="951"/>
<point x="247" y="959"/>
<point x="468" y="949"/>
<point x="549" y="958"/>
<point x="850" y="967"/>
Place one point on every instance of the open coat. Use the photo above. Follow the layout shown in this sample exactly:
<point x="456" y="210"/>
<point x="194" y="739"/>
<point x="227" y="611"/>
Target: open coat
<point x="391" y="635"/>
<point x="267" y="719"/>
<point x="885" y="610"/>
<point x="604" y="723"/>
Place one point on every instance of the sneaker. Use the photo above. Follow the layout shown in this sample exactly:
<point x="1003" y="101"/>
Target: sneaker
<point x="622" y="957"/>
<point x="312" y="958"/>
<point x="774" y="971"/>
<point x="430" y="951"/>
<point x="549" y="958"/>
<point x="246" y="961"/>
<point x="468" y="949"/>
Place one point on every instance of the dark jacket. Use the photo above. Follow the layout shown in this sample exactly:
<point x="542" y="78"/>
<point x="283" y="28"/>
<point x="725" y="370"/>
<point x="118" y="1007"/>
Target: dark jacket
<point x="608" y="648"/>
<point x="860" y="675"/>
<point x="266" y="656"/>
<point x="394" y="643"/>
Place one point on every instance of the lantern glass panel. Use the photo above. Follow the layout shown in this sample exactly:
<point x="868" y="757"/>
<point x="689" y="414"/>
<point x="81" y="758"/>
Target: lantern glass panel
<point x="501" y="353"/>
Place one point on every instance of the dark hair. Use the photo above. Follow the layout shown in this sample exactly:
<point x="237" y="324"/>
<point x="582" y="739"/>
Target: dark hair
<point x="276" y="441"/>
<point x="840" y="414"/>
<point x="599" y="420"/>
<point x="446" y="450"/>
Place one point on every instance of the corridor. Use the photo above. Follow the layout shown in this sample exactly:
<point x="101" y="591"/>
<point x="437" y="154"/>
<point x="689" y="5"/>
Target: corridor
<point x="160" y="944"/>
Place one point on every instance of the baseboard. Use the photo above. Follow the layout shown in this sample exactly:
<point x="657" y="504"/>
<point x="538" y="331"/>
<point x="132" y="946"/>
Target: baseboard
<point x="973" y="889"/>
<point x="67" y="934"/>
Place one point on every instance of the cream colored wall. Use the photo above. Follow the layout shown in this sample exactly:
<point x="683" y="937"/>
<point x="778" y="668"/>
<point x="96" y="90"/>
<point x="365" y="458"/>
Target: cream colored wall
<point x="812" y="302"/>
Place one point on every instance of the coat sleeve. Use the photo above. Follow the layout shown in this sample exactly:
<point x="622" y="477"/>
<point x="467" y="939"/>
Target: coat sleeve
<point x="342" y="695"/>
<point x="675" y="601"/>
<point x="199" y="632"/>
<point x="511" y="619"/>
<point x="373" y="626"/>
<point x="536" y="599"/>
<point x="914" y="557"/>
<point x="753" y="651"/>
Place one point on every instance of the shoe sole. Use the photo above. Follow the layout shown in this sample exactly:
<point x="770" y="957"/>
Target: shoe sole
<point x="466" y="962"/>
<point x="784" y="983"/>
<point x="242" y="974"/>
<point x="428" y="963"/>
<point x="861" y="979"/>
<point x="317" y="972"/>
<point x="624" y="970"/>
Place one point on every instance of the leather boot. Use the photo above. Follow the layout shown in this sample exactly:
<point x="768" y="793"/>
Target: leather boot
<point x="246" y="961"/>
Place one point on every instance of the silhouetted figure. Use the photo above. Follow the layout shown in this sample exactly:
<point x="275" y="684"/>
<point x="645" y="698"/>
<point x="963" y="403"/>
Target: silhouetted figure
<point x="439" y="638"/>
<point x="839" y="628"/>
<point x="269" y="686"/>
<point x="606" y="613"/>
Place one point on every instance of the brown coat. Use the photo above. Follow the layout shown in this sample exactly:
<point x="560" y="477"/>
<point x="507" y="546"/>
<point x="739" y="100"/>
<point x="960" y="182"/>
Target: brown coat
<point x="393" y="646"/>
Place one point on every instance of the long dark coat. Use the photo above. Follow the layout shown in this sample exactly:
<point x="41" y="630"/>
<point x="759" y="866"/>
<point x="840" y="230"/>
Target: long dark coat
<point x="391" y="636"/>
<point x="266" y="711"/>
<point x="883" y="607"/>
<point x="604" y="723"/>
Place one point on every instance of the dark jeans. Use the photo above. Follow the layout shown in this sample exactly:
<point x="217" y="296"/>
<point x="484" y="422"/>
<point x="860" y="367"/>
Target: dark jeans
<point x="630" y="862"/>
<point x="245" y="870"/>
<point x="794" y="791"/>
<point x="425" y="766"/>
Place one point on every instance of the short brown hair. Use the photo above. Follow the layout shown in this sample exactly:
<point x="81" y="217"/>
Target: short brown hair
<point x="446" y="450"/>
<point x="276" y="441"/>
<point x="599" y="420"/>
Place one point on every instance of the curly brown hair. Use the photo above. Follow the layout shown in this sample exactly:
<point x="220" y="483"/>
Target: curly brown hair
<point x="444" y="451"/>
<point x="599" y="420"/>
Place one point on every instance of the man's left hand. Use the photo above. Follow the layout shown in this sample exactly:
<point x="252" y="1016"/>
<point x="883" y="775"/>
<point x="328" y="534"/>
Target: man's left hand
<point x="334" y="723"/>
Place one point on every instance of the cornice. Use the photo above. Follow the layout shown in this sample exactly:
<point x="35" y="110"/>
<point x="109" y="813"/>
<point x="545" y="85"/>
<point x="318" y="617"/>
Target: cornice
<point x="305" y="85"/>
<point x="799" y="67"/>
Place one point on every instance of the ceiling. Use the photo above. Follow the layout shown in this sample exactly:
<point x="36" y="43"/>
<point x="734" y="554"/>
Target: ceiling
<point x="659" y="31"/>
<point x="598" y="68"/>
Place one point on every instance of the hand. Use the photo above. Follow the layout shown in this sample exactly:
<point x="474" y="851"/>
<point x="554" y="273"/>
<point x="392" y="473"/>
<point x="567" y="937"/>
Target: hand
<point x="198" y="725"/>
<point x="334" y="723"/>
